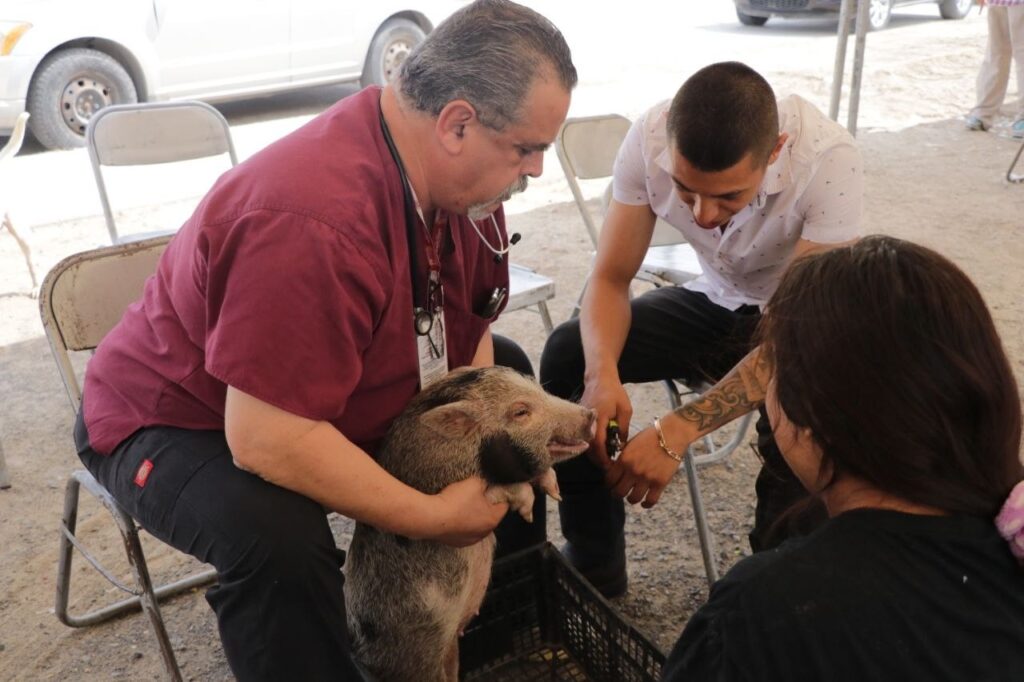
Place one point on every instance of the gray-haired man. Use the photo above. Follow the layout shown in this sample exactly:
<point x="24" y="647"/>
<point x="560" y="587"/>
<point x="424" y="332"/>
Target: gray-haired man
<point x="296" y="313"/>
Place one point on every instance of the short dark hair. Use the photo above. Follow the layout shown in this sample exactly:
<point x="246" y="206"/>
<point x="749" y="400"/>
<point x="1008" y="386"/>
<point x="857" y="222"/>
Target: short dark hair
<point x="886" y="352"/>
<point x="722" y="113"/>
<point x="488" y="53"/>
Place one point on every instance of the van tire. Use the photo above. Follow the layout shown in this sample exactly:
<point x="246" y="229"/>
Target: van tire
<point x="68" y="88"/>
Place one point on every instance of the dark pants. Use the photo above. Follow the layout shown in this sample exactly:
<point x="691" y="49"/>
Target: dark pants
<point x="278" y="598"/>
<point x="674" y="334"/>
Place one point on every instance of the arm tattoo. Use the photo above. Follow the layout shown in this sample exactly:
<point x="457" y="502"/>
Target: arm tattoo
<point x="739" y="392"/>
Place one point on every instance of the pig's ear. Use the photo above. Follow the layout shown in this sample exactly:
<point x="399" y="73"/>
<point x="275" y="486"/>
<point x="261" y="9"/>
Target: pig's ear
<point x="454" y="420"/>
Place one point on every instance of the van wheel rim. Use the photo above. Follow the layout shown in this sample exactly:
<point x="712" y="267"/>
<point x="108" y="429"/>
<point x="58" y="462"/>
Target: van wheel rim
<point x="82" y="97"/>
<point x="394" y="56"/>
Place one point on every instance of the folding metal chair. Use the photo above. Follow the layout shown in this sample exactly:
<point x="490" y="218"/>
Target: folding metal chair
<point x="81" y="299"/>
<point x="586" y="149"/>
<point x="153" y="133"/>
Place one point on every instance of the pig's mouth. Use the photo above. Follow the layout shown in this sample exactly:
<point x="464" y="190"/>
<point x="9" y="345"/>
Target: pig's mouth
<point x="561" y="448"/>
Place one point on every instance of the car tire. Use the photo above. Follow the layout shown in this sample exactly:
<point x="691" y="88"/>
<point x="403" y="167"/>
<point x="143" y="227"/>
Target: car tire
<point x="393" y="42"/>
<point x="68" y="88"/>
<point x="879" y="13"/>
<point x="750" y="20"/>
<point x="955" y="9"/>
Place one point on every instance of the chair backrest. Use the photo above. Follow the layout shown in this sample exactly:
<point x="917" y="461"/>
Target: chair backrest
<point x="587" y="148"/>
<point x="151" y="133"/>
<point x="85" y="295"/>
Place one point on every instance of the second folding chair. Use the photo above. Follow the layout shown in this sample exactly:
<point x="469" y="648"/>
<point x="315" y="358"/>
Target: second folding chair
<point x="153" y="133"/>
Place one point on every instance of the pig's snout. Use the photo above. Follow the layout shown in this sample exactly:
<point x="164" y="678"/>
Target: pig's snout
<point x="576" y="439"/>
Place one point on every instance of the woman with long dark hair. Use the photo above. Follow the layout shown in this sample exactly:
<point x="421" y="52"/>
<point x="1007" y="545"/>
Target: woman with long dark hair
<point x="893" y="402"/>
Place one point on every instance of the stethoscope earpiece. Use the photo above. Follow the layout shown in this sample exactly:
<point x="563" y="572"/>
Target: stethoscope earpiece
<point x="499" y="253"/>
<point x="514" y="239"/>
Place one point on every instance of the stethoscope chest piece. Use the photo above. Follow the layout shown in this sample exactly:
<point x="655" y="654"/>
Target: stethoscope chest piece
<point x="422" y="320"/>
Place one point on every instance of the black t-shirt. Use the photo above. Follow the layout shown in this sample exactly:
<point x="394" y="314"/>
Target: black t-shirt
<point x="872" y="595"/>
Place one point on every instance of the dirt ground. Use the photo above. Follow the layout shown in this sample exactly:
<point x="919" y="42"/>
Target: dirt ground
<point x="928" y="180"/>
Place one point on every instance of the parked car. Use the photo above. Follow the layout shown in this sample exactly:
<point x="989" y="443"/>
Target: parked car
<point x="63" y="60"/>
<point x="757" y="12"/>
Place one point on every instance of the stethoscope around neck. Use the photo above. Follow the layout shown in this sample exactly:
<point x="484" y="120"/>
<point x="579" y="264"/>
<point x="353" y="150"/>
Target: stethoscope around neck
<point x="424" y="307"/>
<point x="426" y="304"/>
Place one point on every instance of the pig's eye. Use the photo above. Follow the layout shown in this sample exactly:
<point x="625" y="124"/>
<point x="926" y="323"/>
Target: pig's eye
<point x="520" y="412"/>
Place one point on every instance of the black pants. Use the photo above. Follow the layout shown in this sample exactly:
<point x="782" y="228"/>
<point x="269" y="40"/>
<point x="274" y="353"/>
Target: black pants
<point x="278" y="598"/>
<point x="674" y="334"/>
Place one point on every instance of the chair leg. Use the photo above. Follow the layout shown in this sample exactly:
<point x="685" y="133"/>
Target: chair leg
<point x="1010" y="175"/>
<point x="545" y="316"/>
<point x="148" y="599"/>
<point x="707" y="546"/>
<point x="5" y="478"/>
<point x="144" y="596"/>
<point x="707" y="542"/>
<point x="579" y="299"/>
<point x="24" y="250"/>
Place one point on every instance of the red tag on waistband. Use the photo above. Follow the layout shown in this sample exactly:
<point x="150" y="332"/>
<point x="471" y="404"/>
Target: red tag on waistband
<point x="143" y="473"/>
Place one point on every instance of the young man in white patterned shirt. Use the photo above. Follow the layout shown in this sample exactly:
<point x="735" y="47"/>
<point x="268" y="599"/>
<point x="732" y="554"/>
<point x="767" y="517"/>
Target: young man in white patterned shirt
<point x="751" y="184"/>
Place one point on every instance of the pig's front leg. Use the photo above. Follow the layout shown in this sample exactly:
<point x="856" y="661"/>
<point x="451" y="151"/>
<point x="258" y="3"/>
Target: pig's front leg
<point x="548" y="482"/>
<point x="518" y="495"/>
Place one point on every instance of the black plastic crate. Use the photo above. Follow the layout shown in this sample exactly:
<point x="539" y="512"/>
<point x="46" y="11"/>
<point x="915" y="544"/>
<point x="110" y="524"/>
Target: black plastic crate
<point x="541" y="621"/>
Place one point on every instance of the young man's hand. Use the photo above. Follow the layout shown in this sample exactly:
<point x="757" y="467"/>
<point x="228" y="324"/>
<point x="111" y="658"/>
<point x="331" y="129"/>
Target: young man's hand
<point x="643" y="469"/>
<point x="608" y="398"/>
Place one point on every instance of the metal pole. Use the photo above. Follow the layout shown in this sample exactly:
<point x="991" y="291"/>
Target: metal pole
<point x="842" y="35"/>
<point x="5" y="478"/>
<point x="858" y="64"/>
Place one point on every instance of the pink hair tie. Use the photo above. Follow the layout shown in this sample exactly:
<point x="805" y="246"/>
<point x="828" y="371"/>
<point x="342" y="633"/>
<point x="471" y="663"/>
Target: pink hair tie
<point x="1010" y="520"/>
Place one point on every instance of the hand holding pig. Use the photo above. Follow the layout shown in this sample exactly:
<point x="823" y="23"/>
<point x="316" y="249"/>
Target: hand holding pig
<point x="466" y="515"/>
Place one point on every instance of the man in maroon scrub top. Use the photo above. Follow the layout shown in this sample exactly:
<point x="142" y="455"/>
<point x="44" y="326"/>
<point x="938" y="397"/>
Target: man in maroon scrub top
<point x="316" y="288"/>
